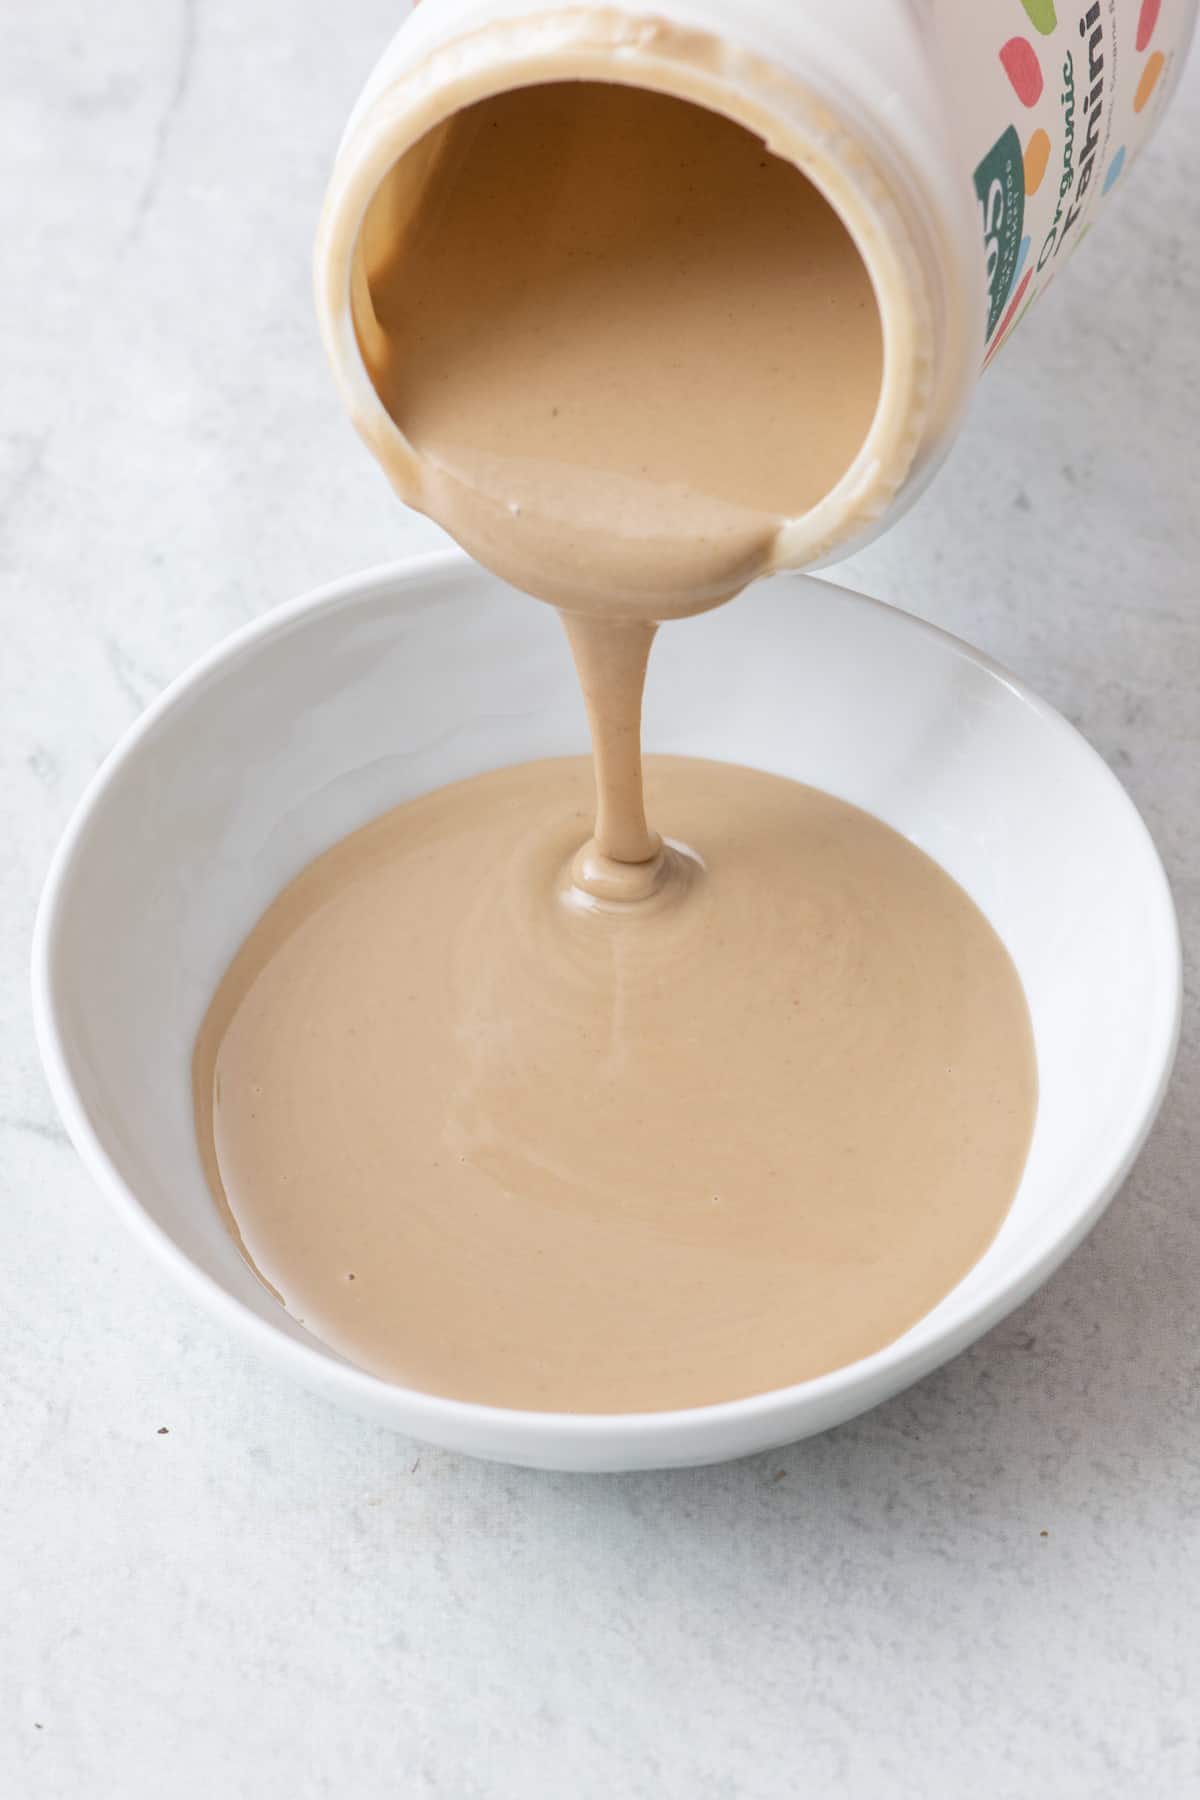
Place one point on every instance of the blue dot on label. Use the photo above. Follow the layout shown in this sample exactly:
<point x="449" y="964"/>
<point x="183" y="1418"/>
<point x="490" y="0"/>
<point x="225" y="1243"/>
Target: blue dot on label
<point x="1022" y="253"/>
<point x="1114" y="168"/>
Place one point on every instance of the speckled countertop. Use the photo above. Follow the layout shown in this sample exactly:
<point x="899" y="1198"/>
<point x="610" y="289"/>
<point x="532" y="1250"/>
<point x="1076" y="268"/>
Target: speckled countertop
<point x="991" y="1585"/>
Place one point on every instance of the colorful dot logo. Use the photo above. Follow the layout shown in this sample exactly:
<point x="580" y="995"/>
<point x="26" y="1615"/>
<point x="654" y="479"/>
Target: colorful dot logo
<point x="1022" y="235"/>
<point x="1023" y="70"/>
<point x="1037" y="155"/>
<point x="1147" y="20"/>
<point x="1149" y="80"/>
<point x="1041" y="15"/>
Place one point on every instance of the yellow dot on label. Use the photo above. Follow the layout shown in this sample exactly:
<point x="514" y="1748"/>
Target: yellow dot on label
<point x="1150" y="75"/>
<point x="1037" y="155"/>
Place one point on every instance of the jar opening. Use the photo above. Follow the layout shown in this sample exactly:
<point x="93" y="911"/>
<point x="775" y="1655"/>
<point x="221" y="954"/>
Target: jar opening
<point x="624" y="281"/>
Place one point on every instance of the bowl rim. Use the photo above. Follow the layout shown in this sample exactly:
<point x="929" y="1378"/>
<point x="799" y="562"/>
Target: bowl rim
<point x="884" y="1371"/>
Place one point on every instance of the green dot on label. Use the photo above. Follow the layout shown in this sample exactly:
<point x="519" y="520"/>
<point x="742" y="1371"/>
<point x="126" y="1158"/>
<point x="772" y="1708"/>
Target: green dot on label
<point x="1041" y="15"/>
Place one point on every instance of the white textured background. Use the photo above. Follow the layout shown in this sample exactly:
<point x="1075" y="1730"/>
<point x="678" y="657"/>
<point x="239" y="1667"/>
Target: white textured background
<point x="990" y="1586"/>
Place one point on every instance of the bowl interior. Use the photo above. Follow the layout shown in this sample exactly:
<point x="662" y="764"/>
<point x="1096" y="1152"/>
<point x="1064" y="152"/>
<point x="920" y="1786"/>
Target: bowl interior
<point x="338" y="707"/>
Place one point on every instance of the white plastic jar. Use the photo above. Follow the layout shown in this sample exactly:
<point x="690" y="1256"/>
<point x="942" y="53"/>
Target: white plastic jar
<point x="967" y="145"/>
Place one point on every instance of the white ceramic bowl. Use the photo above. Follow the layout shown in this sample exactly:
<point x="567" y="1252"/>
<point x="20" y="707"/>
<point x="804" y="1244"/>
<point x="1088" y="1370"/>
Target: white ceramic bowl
<point x="333" y="708"/>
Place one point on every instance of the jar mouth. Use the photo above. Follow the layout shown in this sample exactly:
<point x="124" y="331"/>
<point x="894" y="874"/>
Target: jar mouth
<point x="400" y="124"/>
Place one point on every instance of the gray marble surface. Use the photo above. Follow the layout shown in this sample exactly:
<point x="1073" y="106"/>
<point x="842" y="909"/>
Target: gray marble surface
<point x="991" y="1585"/>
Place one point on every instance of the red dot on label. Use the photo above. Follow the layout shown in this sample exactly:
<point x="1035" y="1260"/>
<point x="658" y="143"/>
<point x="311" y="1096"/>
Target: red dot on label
<point x="1147" y="20"/>
<point x="1023" y="70"/>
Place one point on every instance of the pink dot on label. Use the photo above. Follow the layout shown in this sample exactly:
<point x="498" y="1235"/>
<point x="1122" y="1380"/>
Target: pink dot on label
<point x="1147" y="20"/>
<point x="1023" y="70"/>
